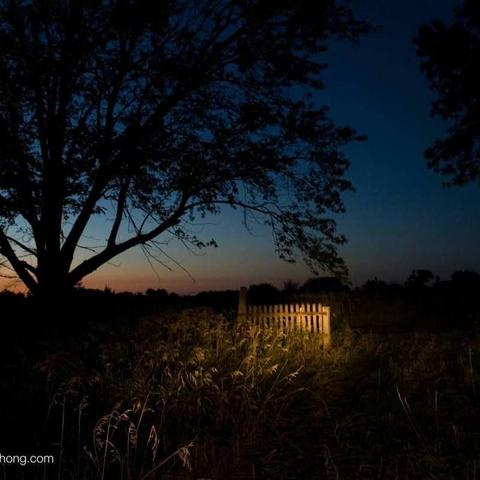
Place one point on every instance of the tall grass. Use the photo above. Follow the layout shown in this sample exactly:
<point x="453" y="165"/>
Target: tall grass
<point x="195" y="396"/>
<point x="192" y="396"/>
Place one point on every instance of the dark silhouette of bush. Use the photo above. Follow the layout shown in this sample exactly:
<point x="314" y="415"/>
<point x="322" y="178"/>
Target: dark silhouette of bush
<point x="420" y="279"/>
<point x="466" y="281"/>
<point x="322" y="285"/>
<point x="290" y="288"/>
<point x="374" y="286"/>
<point x="264" y="293"/>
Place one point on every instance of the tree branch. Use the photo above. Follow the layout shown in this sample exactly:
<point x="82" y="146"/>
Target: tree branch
<point x="122" y="196"/>
<point x="126" y="143"/>
<point x="18" y="265"/>
<point x="22" y="246"/>
<point x="111" y="251"/>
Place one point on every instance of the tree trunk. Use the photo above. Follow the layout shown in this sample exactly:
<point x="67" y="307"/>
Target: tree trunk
<point x="53" y="282"/>
<point x="52" y="302"/>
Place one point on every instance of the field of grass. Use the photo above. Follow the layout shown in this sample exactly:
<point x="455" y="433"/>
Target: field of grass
<point x="189" y="395"/>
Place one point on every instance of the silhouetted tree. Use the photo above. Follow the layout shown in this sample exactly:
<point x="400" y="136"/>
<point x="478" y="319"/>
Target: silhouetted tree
<point x="225" y="301"/>
<point x="451" y="59"/>
<point x="323" y="285"/>
<point x="419" y="279"/>
<point x="374" y="286"/>
<point x="466" y="281"/>
<point x="290" y="287"/>
<point x="152" y="113"/>
<point x="263" y="293"/>
<point x="158" y="293"/>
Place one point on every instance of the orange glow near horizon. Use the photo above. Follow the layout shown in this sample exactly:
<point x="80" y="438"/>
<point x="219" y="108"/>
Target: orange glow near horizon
<point x="134" y="278"/>
<point x="237" y="262"/>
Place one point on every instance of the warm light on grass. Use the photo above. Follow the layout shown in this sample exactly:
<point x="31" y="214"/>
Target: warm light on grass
<point x="195" y="395"/>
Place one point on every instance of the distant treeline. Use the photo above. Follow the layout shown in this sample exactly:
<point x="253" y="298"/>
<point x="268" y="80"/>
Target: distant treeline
<point x="422" y="299"/>
<point x="418" y="280"/>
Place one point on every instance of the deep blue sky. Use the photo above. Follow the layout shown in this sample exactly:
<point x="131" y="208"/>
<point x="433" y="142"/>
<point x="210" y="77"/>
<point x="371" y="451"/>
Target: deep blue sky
<point x="400" y="216"/>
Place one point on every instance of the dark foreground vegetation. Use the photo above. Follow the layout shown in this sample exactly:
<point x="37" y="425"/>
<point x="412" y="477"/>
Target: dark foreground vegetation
<point x="181" y="391"/>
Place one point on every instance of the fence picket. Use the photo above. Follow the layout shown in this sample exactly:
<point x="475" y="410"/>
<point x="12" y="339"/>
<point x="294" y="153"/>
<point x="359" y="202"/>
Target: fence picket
<point x="310" y="317"/>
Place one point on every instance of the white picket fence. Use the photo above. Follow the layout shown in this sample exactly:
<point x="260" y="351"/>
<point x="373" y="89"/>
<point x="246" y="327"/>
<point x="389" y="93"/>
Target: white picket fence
<point x="309" y="317"/>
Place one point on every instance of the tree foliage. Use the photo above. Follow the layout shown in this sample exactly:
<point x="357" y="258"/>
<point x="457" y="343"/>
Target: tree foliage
<point x="154" y="113"/>
<point x="419" y="279"/>
<point x="450" y="60"/>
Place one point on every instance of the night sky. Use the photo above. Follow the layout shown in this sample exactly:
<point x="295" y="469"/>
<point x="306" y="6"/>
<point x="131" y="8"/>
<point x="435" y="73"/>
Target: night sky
<point x="400" y="216"/>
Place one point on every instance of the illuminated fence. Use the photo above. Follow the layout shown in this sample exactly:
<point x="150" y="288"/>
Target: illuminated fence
<point x="309" y="317"/>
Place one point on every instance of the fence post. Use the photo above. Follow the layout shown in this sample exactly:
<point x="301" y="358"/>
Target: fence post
<point x="326" y="326"/>
<point x="242" y="304"/>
